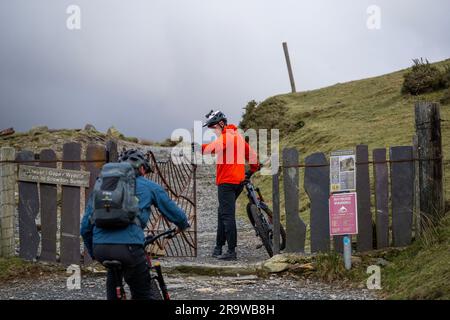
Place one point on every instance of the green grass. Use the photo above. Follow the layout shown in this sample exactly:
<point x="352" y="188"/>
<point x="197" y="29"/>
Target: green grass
<point x="422" y="271"/>
<point x="14" y="268"/>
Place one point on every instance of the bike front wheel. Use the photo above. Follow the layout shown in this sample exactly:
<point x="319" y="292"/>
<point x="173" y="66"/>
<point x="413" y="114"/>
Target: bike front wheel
<point x="261" y="228"/>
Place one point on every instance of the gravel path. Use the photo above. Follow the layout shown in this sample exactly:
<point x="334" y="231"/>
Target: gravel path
<point x="186" y="288"/>
<point x="207" y="204"/>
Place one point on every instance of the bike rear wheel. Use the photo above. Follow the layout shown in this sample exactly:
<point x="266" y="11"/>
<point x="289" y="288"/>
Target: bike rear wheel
<point x="282" y="231"/>
<point x="262" y="228"/>
<point x="268" y="213"/>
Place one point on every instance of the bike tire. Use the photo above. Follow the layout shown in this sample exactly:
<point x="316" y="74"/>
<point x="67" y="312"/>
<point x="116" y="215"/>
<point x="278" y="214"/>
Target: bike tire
<point x="262" y="229"/>
<point x="155" y="290"/>
<point x="282" y="231"/>
<point x="269" y="214"/>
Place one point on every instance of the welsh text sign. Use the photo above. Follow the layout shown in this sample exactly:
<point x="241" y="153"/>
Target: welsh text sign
<point x="54" y="176"/>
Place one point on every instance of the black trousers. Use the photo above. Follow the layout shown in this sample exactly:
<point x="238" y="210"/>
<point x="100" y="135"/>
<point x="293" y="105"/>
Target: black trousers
<point x="226" y="223"/>
<point x="135" y="270"/>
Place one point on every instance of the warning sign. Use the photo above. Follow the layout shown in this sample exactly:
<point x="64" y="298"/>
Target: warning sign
<point x="342" y="171"/>
<point x="343" y="214"/>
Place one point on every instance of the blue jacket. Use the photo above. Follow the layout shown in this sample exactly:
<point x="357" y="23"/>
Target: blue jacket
<point x="149" y="193"/>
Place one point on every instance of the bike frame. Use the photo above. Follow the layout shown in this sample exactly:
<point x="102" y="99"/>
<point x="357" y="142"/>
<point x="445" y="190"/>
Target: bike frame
<point x="156" y="266"/>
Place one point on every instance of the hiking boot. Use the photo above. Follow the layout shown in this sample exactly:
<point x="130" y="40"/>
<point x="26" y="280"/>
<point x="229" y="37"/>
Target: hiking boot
<point x="217" y="252"/>
<point x="229" y="255"/>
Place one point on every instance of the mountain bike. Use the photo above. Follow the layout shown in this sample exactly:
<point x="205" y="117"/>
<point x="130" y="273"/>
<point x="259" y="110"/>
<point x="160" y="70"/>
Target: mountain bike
<point x="260" y="217"/>
<point x="159" y="288"/>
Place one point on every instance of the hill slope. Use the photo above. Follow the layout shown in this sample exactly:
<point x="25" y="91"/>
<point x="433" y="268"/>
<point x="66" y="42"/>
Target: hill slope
<point x="370" y="111"/>
<point x="373" y="112"/>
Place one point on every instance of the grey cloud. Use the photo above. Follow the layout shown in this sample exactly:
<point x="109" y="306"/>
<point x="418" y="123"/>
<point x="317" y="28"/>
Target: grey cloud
<point x="149" y="67"/>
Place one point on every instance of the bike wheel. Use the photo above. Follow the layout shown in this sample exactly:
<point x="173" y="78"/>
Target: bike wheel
<point x="155" y="290"/>
<point x="262" y="229"/>
<point x="282" y="231"/>
<point x="268" y="212"/>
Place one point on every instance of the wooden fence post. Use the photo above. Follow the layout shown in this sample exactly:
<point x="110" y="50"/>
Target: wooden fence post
<point x="70" y="211"/>
<point x="381" y="176"/>
<point x="7" y="202"/>
<point x="295" y="227"/>
<point x="99" y="153"/>
<point x="28" y="210"/>
<point x="402" y="189"/>
<point x="365" y="227"/>
<point x="49" y="209"/>
<point x="276" y="212"/>
<point x="317" y="186"/>
<point x="112" y="155"/>
<point x="416" y="212"/>
<point x="429" y="141"/>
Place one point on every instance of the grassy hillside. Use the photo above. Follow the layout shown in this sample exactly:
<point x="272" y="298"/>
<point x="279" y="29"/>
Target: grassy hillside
<point x="370" y="111"/>
<point x="422" y="271"/>
<point x="373" y="112"/>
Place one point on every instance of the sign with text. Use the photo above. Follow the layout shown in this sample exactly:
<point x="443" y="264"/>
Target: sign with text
<point x="342" y="171"/>
<point x="54" y="176"/>
<point x="343" y="214"/>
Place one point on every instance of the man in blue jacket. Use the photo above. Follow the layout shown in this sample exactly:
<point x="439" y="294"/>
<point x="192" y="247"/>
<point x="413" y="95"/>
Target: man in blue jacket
<point x="126" y="245"/>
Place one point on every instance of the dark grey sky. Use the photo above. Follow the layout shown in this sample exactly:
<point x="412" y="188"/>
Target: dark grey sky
<point x="151" y="66"/>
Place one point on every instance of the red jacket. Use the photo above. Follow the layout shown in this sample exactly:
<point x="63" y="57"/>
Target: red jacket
<point x="232" y="151"/>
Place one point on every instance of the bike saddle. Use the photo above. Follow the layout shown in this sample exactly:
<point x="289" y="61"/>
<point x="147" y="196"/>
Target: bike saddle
<point x="112" y="264"/>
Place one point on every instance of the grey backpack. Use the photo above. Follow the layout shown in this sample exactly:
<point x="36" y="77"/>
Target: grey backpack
<point x="114" y="197"/>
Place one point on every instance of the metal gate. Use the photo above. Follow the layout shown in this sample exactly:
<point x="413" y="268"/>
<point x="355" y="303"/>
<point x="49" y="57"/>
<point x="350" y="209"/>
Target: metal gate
<point x="179" y="180"/>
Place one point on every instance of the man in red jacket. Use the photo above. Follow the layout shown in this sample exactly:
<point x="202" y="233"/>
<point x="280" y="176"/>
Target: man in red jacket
<point x="231" y="152"/>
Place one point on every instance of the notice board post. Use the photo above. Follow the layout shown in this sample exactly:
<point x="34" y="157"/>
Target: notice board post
<point x="343" y="206"/>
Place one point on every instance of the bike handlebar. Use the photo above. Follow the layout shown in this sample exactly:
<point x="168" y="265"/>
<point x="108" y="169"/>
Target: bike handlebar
<point x="166" y="234"/>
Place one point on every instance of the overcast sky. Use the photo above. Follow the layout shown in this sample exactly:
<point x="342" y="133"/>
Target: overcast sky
<point x="151" y="66"/>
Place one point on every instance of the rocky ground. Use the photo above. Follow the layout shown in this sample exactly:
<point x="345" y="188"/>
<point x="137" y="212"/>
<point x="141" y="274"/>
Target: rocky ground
<point x="187" y="288"/>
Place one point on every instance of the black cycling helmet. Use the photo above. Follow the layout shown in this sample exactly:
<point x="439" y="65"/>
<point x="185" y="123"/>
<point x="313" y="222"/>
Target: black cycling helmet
<point x="136" y="158"/>
<point x="214" y="117"/>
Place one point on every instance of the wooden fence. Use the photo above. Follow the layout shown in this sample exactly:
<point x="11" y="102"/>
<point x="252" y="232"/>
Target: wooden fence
<point x="52" y="194"/>
<point x="407" y="189"/>
<point x="393" y="186"/>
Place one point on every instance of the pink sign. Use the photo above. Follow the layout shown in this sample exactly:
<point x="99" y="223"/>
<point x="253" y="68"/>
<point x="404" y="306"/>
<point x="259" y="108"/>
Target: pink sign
<point x="343" y="214"/>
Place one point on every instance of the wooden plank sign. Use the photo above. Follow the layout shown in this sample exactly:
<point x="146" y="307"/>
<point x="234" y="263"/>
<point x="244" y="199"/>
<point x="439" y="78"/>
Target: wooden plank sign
<point x="54" y="176"/>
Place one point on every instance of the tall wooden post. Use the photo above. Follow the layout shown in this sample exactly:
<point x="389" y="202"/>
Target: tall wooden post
<point x="416" y="212"/>
<point x="112" y="155"/>
<point x="295" y="227"/>
<point x="289" y="67"/>
<point x="7" y="202"/>
<point x="429" y="142"/>
<point x="276" y="212"/>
